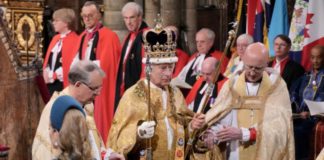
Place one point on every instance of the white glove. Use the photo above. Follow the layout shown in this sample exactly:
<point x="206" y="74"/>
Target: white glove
<point x="146" y="129"/>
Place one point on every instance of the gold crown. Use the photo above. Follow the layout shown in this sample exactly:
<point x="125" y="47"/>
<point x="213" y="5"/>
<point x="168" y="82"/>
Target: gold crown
<point x="160" y="44"/>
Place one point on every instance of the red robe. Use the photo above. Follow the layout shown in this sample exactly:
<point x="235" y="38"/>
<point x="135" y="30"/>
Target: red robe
<point x="68" y="48"/>
<point x="108" y="53"/>
<point x="183" y="58"/>
<point x="133" y="68"/>
<point x="194" y="90"/>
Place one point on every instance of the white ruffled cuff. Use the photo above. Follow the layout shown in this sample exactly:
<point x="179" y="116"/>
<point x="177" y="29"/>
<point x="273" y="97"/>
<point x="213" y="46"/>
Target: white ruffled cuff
<point x="245" y="134"/>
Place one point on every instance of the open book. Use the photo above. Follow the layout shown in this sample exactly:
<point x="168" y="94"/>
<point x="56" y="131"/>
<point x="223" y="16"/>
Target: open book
<point x="315" y="107"/>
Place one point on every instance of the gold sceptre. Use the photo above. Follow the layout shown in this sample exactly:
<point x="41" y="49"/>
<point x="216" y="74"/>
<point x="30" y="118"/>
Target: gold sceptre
<point x="231" y="35"/>
<point x="148" y="70"/>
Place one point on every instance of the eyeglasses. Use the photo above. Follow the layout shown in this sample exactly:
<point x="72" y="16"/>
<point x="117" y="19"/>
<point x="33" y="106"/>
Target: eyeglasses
<point x="89" y="16"/>
<point x="93" y="89"/>
<point x="254" y="68"/>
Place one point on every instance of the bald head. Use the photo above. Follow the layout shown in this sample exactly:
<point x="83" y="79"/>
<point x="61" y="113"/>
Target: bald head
<point x="208" y="68"/>
<point x="209" y="62"/>
<point x="255" y="60"/>
<point x="256" y="51"/>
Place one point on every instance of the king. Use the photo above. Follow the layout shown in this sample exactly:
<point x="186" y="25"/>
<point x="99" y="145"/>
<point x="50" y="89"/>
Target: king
<point x="153" y="110"/>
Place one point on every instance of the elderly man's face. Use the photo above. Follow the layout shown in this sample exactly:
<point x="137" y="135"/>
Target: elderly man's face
<point x="161" y="74"/>
<point x="241" y="45"/>
<point x="88" y="91"/>
<point x="253" y="67"/>
<point x="203" y="43"/>
<point x="90" y="16"/>
<point x="132" y="20"/>
<point x="207" y="72"/>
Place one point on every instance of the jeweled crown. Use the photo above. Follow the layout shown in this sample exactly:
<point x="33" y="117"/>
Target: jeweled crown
<point x="160" y="44"/>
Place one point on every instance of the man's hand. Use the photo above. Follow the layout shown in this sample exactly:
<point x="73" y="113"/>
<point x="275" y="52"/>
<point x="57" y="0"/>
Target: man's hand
<point x="146" y="130"/>
<point x="229" y="134"/>
<point x="116" y="156"/>
<point x="198" y="121"/>
<point x="210" y="138"/>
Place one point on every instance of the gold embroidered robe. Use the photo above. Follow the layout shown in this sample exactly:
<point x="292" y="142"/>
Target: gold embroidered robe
<point x="132" y="110"/>
<point x="42" y="147"/>
<point x="271" y="113"/>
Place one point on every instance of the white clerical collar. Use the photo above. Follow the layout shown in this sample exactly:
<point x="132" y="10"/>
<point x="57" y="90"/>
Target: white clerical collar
<point x="252" y="88"/>
<point x="63" y="35"/>
<point x="91" y="29"/>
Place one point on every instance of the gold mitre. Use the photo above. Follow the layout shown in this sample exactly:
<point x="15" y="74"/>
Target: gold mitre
<point x="159" y="45"/>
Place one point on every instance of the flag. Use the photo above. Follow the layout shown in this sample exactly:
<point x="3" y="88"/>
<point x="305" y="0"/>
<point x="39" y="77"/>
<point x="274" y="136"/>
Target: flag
<point x="297" y="26"/>
<point x="268" y="5"/>
<point x="314" y="29"/>
<point x="279" y="23"/>
<point x="240" y="17"/>
<point x="262" y="20"/>
<point x="258" y="32"/>
<point x="250" y="18"/>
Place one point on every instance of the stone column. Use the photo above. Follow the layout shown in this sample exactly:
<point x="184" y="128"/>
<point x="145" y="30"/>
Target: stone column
<point x="113" y="18"/>
<point x="152" y="8"/>
<point x="170" y="12"/>
<point x="191" y="23"/>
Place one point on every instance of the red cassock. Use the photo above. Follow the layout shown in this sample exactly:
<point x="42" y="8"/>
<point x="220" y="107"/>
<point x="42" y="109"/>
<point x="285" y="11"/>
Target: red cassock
<point x="183" y="58"/>
<point x="68" y="48"/>
<point x="194" y="90"/>
<point x="108" y="53"/>
<point x="217" y="55"/>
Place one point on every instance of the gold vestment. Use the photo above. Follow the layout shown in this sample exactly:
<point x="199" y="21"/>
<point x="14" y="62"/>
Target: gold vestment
<point x="270" y="111"/>
<point x="42" y="147"/>
<point x="133" y="110"/>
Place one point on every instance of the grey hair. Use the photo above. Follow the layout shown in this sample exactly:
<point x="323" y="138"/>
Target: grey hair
<point x="90" y="3"/>
<point x="81" y="70"/>
<point x="208" y="32"/>
<point x="133" y="6"/>
<point x="248" y="37"/>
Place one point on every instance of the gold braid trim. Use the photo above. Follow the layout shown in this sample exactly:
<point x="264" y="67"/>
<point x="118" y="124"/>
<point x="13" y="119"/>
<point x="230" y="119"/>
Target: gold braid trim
<point x="141" y="91"/>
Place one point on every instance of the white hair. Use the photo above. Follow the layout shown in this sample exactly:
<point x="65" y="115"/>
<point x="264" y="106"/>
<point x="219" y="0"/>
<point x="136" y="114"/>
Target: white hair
<point x="133" y="6"/>
<point x="247" y="37"/>
<point x="208" y="32"/>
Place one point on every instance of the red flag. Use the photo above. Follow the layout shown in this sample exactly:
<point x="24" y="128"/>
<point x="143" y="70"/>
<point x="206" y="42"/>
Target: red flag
<point x="250" y="18"/>
<point x="314" y="32"/>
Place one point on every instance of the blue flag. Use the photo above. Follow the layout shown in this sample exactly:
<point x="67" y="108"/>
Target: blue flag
<point x="279" y="23"/>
